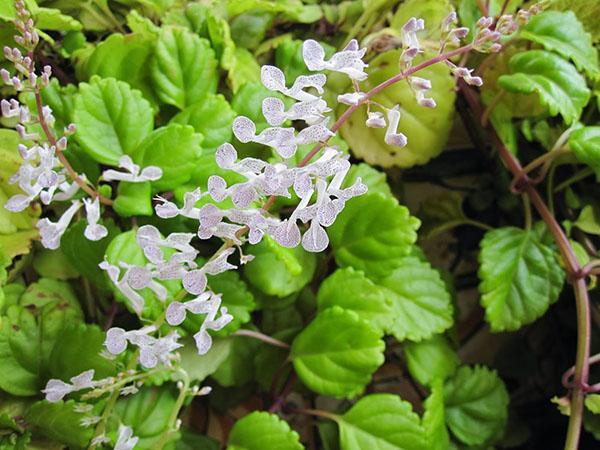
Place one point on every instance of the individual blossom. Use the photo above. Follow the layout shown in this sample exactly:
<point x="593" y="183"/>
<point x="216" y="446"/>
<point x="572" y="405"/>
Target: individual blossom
<point x="51" y="232"/>
<point x="348" y="61"/>
<point x="93" y="231"/>
<point x="133" y="172"/>
<point x="57" y="389"/>
<point x="125" y="438"/>
<point x="410" y="42"/>
<point x="421" y="86"/>
<point x="392" y="136"/>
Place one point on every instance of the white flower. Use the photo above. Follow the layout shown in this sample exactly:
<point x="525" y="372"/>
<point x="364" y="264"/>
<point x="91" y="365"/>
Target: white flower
<point x="56" y="389"/>
<point x="51" y="232"/>
<point x="410" y="42"/>
<point x="421" y="86"/>
<point x="274" y="79"/>
<point x="375" y="120"/>
<point x="351" y="98"/>
<point x="93" y="231"/>
<point x="126" y="440"/>
<point x="150" y="173"/>
<point x="392" y="137"/>
<point x="348" y="61"/>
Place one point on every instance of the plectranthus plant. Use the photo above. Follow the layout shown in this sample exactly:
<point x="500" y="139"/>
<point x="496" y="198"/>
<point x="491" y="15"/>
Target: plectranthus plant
<point x="191" y="171"/>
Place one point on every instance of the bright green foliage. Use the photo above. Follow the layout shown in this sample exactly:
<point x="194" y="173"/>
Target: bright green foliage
<point x="29" y="332"/>
<point x="434" y="416"/>
<point x="592" y="403"/>
<point x="175" y="149"/>
<point x="563" y="33"/>
<point x="147" y="412"/>
<point x="198" y="367"/>
<point x="476" y="405"/>
<point x="585" y="143"/>
<point x="558" y="84"/>
<point x="433" y="12"/>
<point x="337" y="353"/>
<point x="426" y="129"/>
<point x="261" y="430"/>
<point x="212" y="117"/>
<point x="381" y="421"/>
<point x="372" y="234"/>
<point x="520" y="277"/>
<point x="237" y="368"/>
<point x="60" y="421"/>
<point x="134" y="199"/>
<point x="277" y="270"/>
<point x="421" y="303"/>
<point x="184" y="67"/>
<point x="112" y="119"/>
<point x="373" y="178"/>
<point x="352" y="290"/>
<point x="431" y="360"/>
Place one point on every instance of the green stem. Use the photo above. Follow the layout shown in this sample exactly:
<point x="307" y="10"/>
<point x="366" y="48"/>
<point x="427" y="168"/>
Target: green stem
<point x="171" y="424"/>
<point x="527" y="212"/>
<point x="316" y="412"/>
<point x="583" y="173"/>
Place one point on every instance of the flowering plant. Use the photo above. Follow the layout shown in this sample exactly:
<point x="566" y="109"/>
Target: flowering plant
<point x="185" y="228"/>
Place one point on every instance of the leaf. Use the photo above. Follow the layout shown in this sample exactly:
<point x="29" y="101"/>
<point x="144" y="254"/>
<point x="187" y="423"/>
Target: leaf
<point x="198" y="367"/>
<point x="148" y="413"/>
<point x="112" y="119"/>
<point x="85" y="254"/>
<point x="59" y="421"/>
<point x="441" y="213"/>
<point x="558" y="84"/>
<point x="476" y="405"/>
<point x="237" y="368"/>
<point x="124" y="57"/>
<point x="592" y="403"/>
<point x="585" y="143"/>
<point x="520" y="277"/>
<point x="563" y="33"/>
<point x="372" y="234"/>
<point x="588" y="220"/>
<point x="134" y="199"/>
<point x="433" y="418"/>
<point x="352" y="290"/>
<point x="242" y="68"/>
<point x="184" y="67"/>
<point x="426" y="129"/>
<point x="191" y="440"/>
<point x="53" y="19"/>
<point x="337" y="353"/>
<point x="175" y="149"/>
<point x="433" y="12"/>
<point x="421" y="303"/>
<point x="431" y="360"/>
<point x="279" y="271"/>
<point x="211" y="117"/>
<point x="381" y="421"/>
<point x="236" y="297"/>
<point x="53" y="264"/>
<point x="29" y="332"/>
<point x="260" y="430"/>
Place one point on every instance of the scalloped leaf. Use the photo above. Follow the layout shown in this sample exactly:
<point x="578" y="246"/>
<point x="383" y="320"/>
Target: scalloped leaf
<point x="421" y="302"/>
<point x="337" y="353"/>
<point x="431" y="360"/>
<point x="373" y="233"/>
<point x="260" y="430"/>
<point x="184" y="68"/>
<point x="381" y="421"/>
<point x="427" y="129"/>
<point x="585" y="143"/>
<point x="476" y="404"/>
<point x="520" y="277"/>
<point x="112" y="119"/>
<point x="563" y="33"/>
<point x="557" y="82"/>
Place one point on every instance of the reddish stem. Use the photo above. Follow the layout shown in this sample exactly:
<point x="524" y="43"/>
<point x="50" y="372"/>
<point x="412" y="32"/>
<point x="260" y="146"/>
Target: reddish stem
<point x="574" y="272"/>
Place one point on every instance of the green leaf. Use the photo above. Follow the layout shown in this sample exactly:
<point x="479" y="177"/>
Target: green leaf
<point x="211" y="117"/>
<point x="433" y="12"/>
<point x="193" y="17"/>
<point x="279" y="271"/>
<point x="59" y="421"/>
<point x="53" y="264"/>
<point x="29" y="332"/>
<point x="175" y="149"/>
<point x="592" y="403"/>
<point x="588" y="221"/>
<point x="431" y="360"/>
<point x="421" y="302"/>
<point x="184" y="67"/>
<point x="563" y="33"/>
<point x="198" y="367"/>
<point x="476" y="405"/>
<point x="520" y="277"/>
<point x="381" y="421"/>
<point x="112" y="119"/>
<point x="236" y="297"/>
<point x="372" y="234"/>
<point x="585" y="143"/>
<point x="134" y="199"/>
<point x="85" y="254"/>
<point x="352" y="290"/>
<point x="242" y="68"/>
<point x="53" y="19"/>
<point x="148" y="413"/>
<point x="434" y="418"/>
<point x="337" y="353"/>
<point x="426" y="129"/>
<point x="237" y="368"/>
<point x="191" y="440"/>
<point x="260" y="430"/>
<point x="558" y="84"/>
<point x="441" y="213"/>
<point x="124" y="57"/>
